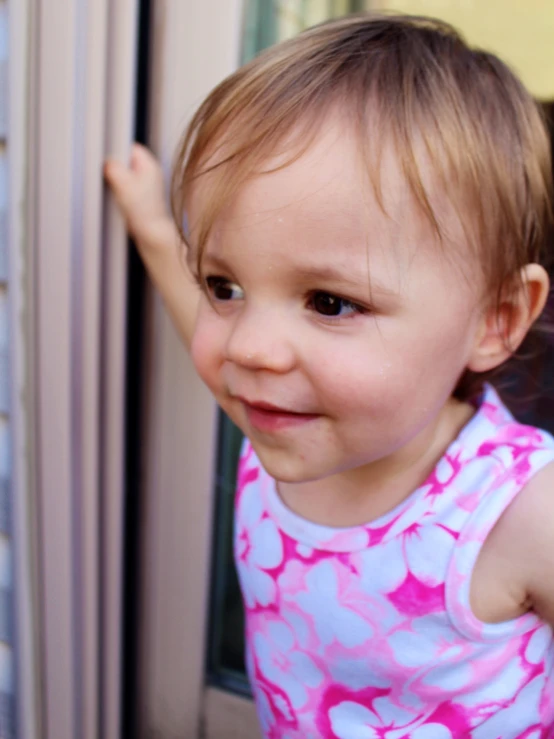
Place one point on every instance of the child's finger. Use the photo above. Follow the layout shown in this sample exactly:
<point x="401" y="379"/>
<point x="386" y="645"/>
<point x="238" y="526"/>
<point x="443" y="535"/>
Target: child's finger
<point x="116" y="174"/>
<point x="142" y="158"/>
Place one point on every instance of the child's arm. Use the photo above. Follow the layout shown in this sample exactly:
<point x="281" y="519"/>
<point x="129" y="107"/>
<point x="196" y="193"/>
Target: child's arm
<point x="537" y="519"/>
<point x="139" y="192"/>
<point x="522" y="544"/>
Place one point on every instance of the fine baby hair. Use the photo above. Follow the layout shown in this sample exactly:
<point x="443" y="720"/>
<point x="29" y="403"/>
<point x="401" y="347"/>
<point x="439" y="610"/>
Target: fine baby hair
<point x="458" y="119"/>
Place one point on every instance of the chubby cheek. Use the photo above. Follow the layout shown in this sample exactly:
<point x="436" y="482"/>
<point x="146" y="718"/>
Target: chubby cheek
<point x="207" y="354"/>
<point x="359" y="384"/>
<point x="422" y="375"/>
<point x="390" y="378"/>
<point x="371" y="364"/>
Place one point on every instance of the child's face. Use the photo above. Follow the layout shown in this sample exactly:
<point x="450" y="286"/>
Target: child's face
<point x="325" y="307"/>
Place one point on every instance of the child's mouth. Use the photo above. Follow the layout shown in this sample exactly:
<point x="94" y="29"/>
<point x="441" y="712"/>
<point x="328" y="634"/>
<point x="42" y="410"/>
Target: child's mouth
<point x="267" y="417"/>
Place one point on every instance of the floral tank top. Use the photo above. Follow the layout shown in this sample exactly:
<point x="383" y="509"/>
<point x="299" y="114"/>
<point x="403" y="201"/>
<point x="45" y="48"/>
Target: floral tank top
<point x="367" y="631"/>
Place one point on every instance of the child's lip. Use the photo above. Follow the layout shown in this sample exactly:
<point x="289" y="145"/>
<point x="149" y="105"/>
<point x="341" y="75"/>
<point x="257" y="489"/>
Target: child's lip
<point x="263" y="406"/>
<point x="267" y="417"/>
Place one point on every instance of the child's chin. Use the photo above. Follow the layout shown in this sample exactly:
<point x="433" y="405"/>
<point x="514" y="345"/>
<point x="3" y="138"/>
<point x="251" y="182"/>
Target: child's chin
<point x="291" y="469"/>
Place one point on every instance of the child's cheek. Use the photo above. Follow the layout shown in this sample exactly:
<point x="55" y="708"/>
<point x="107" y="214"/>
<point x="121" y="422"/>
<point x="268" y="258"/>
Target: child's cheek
<point x="205" y="355"/>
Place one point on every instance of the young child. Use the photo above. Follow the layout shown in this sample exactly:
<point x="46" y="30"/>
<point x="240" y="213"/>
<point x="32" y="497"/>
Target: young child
<point x="366" y="216"/>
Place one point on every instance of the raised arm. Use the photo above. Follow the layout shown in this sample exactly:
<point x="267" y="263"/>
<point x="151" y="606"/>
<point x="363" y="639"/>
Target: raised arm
<point x="139" y="192"/>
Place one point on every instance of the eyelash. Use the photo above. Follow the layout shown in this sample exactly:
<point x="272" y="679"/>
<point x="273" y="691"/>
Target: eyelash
<point x="213" y="282"/>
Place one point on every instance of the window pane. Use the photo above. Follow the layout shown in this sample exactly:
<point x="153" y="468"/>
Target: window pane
<point x="269" y="21"/>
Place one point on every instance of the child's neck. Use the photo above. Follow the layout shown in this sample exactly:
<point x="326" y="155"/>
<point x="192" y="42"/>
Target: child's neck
<point x="363" y="494"/>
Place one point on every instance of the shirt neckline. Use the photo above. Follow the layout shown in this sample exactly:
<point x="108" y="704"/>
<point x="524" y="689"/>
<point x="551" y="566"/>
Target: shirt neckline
<point x="405" y="514"/>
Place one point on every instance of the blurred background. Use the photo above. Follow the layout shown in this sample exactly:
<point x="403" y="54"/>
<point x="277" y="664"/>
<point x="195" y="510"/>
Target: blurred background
<point x="120" y="613"/>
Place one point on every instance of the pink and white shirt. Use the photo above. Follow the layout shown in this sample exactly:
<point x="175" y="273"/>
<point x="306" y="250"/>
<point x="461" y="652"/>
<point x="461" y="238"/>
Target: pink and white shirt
<point x="367" y="631"/>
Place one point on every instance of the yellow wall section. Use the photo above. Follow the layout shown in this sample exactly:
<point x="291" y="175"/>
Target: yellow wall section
<point x="521" y="32"/>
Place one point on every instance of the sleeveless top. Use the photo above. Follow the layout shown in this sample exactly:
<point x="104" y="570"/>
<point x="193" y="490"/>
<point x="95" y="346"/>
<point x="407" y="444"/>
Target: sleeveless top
<point x="367" y="631"/>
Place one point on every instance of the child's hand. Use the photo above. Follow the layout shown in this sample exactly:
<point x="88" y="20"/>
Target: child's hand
<point x="140" y="194"/>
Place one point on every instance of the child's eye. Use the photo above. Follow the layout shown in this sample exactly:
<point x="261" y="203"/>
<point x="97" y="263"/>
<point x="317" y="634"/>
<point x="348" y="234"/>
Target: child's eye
<point x="327" y="304"/>
<point x="223" y="289"/>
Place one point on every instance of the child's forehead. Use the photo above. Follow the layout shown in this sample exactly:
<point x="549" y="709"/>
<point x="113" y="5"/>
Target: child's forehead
<point x="339" y="185"/>
<point x="329" y="181"/>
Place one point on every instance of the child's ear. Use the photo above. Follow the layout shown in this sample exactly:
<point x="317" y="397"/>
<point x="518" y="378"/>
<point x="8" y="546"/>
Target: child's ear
<point x="503" y="328"/>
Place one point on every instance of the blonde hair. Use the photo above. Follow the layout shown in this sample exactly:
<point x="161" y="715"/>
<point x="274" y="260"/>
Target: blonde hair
<point x="416" y="81"/>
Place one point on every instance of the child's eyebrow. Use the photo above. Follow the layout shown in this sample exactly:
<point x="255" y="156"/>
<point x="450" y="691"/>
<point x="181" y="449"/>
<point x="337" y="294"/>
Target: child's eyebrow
<point x="334" y="275"/>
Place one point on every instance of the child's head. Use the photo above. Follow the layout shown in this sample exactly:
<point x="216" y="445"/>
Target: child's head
<point x="418" y="170"/>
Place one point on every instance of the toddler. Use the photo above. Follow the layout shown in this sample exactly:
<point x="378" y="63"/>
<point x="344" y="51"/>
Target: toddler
<point x="365" y="210"/>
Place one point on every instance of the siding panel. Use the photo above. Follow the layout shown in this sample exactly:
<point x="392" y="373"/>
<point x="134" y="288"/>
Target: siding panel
<point x="7" y="728"/>
<point x="3" y="68"/>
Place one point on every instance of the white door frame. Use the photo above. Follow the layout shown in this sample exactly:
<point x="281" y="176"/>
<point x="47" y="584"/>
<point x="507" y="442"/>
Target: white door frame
<point x="26" y="683"/>
<point x="72" y="84"/>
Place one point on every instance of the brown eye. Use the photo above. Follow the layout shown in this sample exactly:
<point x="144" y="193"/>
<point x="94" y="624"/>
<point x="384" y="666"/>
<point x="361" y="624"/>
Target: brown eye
<point x="222" y="289"/>
<point x="327" y="304"/>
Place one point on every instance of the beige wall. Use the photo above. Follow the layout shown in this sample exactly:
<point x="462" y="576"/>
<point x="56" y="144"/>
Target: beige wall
<point x="520" y="31"/>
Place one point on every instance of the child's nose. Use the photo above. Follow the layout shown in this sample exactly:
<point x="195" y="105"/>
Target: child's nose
<point x="262" y="340"/>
